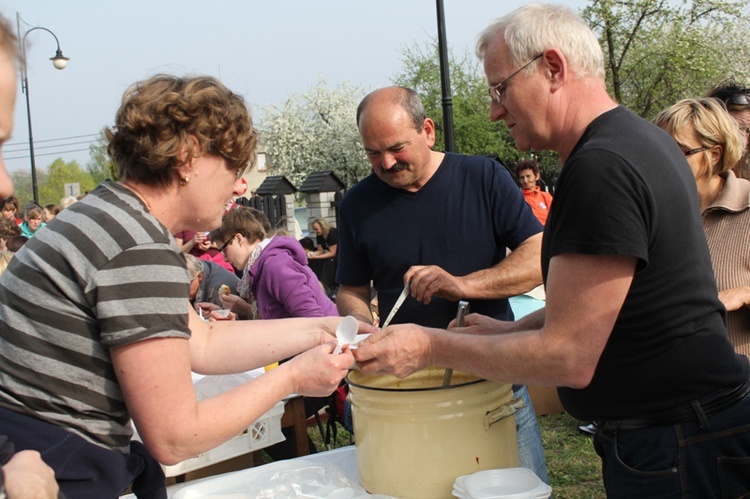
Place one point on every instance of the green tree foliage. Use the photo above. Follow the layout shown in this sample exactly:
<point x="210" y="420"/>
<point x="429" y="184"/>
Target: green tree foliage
<point x="473" y="132"/>
<point x="656" y="52"/>
<point x="659" y="51"/>
<point x="22" y="186"/>
<point x="100" y="165"/>
<point x="315" y="131"/>
<point x="59" y="173"/>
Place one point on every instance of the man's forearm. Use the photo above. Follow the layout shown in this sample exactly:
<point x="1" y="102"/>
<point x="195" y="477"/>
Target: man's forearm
<point x="354" y="301"/>
<point x="518" y="273"/>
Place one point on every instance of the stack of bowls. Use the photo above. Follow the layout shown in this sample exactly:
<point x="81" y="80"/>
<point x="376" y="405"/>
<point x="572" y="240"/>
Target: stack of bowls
<point x="507" y="483"/>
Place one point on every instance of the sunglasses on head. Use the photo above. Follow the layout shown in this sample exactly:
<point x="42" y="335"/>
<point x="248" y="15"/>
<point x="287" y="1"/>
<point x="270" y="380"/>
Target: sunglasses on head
<point x="738" y="100"/>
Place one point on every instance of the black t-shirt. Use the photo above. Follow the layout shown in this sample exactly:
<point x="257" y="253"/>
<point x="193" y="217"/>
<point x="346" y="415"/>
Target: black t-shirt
<point x="626" y="189"/>
<point x="331" y="240"/>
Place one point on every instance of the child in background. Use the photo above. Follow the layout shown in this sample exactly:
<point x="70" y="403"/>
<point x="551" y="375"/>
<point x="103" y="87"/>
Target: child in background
<point x="540" y="201"/>
<point x="276" y="281"/>
<point x="50" y="212"/>
<point x="33" y="221"/>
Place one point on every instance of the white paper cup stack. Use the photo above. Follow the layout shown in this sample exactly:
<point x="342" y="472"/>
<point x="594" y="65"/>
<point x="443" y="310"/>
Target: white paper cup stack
<point x="508" y="483"/>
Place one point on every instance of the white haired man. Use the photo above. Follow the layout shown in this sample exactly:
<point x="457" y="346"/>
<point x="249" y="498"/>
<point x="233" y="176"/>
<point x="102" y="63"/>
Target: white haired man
<point x="633" y="334"/>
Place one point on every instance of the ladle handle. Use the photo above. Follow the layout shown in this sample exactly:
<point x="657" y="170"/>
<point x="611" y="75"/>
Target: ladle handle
<point x="463" y="307"/>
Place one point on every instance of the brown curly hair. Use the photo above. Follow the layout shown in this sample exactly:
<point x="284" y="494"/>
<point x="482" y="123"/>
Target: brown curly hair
<point x="159" y="118"/>
<point x="8" y="229"/>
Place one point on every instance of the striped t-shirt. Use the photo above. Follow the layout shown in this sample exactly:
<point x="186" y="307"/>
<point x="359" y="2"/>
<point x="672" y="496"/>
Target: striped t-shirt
<point x="102" y="274"/>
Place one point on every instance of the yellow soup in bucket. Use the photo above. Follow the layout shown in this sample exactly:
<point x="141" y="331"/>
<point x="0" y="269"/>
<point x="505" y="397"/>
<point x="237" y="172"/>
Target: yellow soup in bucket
<point x="414" y="436"/>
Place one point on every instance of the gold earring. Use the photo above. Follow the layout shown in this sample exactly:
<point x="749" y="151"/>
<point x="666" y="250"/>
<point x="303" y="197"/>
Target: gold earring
<point x="184" y="181"/>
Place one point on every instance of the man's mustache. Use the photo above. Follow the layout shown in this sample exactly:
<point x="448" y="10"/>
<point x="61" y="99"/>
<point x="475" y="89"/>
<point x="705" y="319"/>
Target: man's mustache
<point x="398" y="167"/>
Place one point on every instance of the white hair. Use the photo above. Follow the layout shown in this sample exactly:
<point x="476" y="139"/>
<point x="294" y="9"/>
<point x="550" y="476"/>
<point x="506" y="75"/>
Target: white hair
<point x="534" y="28"/>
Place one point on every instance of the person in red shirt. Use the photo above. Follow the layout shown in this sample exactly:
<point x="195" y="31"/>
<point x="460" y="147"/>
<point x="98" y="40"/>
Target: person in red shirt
<point x="527" y="172"/>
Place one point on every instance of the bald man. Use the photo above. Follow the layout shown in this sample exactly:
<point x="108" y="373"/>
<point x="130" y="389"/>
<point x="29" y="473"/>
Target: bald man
<point x="440" y="223"/>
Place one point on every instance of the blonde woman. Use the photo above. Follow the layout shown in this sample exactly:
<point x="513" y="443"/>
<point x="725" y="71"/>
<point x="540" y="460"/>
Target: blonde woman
<point x="323" y="259"/>
<point x="713" y="144"/>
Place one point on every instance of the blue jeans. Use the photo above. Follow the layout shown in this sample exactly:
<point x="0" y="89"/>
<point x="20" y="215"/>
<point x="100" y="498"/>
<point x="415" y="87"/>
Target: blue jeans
<point x="681" y="460"/>
<point x="530" y="451"/>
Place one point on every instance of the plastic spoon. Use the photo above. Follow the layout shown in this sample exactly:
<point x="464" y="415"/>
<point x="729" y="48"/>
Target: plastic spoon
<point x="346" y="332"/>
<point x="398" y="304"/>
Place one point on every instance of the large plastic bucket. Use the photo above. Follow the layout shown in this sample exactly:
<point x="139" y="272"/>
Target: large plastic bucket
<point x="414" y="437"/>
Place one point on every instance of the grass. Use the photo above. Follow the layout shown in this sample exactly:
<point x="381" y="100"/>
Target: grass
<point x="572" y="463"/>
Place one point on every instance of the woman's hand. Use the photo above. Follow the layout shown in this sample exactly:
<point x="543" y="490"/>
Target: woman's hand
<point x="237" y="305"/>
<point x="230" y="301"/>
<point x="201" y="241"/>
<point x="206" y="306"/>
<point x="736" y="298"/>
<point x="316" y="372"/>
<point x="313" y="255"/>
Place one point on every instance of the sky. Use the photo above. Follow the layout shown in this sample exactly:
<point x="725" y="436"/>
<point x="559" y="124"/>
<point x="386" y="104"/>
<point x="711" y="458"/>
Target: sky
<point x="265" y="50"/>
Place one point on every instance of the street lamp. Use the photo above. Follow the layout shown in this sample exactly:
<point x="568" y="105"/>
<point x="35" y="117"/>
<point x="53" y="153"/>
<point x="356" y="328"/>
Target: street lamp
<point x="59" y="61"/>
<point x="445" y="81"/>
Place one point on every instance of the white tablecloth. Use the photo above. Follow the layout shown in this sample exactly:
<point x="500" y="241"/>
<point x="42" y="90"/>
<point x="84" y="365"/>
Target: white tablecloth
<point x="341" y="474"/>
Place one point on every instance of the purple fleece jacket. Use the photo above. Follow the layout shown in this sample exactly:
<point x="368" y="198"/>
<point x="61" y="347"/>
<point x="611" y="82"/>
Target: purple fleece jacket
<point x="284" y="285"/>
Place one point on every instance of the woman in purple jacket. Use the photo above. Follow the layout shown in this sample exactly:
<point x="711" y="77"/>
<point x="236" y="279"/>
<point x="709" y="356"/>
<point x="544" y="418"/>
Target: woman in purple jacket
<point x="276" y="283"/>
<point x="276" y="280"/>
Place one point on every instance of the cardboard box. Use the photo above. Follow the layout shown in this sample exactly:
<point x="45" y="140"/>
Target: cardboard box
<point x="545" y="400"/>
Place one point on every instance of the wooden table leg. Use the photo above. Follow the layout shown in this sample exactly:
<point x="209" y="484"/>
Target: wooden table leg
<point x="294" y="416"/>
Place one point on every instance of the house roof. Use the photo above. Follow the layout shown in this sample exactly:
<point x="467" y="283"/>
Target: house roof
<point x="275" y="185"/>
<point x="323" y="181"/>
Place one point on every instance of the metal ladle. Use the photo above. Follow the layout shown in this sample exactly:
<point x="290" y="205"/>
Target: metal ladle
<point x="463" y="308"/>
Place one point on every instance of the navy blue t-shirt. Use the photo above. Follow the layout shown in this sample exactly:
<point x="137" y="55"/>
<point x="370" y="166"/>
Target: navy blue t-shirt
<point x="462" y="220"/>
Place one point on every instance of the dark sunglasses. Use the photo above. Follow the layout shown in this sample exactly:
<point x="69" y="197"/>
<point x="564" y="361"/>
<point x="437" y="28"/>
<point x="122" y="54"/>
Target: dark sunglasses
<point x="738" y="100"/>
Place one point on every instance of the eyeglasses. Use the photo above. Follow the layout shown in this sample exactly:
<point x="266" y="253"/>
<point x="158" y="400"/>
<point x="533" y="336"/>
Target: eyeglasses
<point x="738" y="100"/>
<point x="224" y="246"/>
<point x="497" y="92"/>
<point x="690" y="152"/>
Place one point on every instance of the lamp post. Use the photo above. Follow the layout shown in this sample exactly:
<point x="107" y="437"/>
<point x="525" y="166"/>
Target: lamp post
<point x="59" y="61"/>
<point x="445" y="81"/>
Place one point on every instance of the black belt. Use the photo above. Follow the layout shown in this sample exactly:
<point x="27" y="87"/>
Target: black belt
<point x="696" y="410"/>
